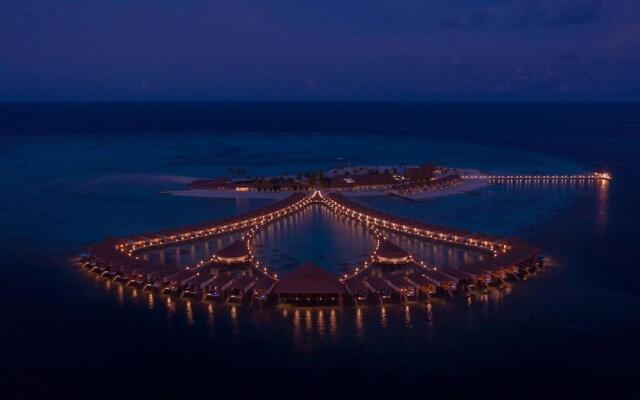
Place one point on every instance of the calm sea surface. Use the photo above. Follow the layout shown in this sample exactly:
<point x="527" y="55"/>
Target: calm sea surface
<point x="76" y="173"/>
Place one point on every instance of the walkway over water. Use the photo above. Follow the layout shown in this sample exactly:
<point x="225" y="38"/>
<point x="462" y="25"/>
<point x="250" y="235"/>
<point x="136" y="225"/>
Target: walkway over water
<point x="593" y="176"/>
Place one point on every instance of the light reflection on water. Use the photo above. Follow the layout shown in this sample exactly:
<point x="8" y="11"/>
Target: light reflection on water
<point x="306" y="328"/>
<point x="171" y="307"/>
<point x="435" y="253"/>
<point x="603" y="206"/>
<point x="314" y="234"/>
<point x="339" y="243"/>
<point x="120" y="291"/>
<point x="189" y="313"/>
<point x="383" y="317"/>
<point x="500" y="208"/>
<point x="188" y="254"/>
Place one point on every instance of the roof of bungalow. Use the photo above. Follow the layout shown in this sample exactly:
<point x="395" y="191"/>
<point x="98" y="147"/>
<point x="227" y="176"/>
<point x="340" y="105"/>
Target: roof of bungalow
<point x="163" y="272"/>
<point x="474" y="270"/>
<point x="201" y="279"/>
<point x="119" y="262"/>
<point x="182" y="275"/>
<point x="144" y="267"/>
<point x="356" y="285"/>
<point x="241" y="283"/>
<point x="389" y="251"/>
<point x="419" y="279"/>
<point x="398" y="281"/>
<point x="220" y="281"/>
<point x="377" y="283"/>
<point x="264" y="284"/>
<point x="235" y="250"/>
<point x="438" y="277"/>
<point x="456" y="273"/>
<point x="309" y="279"/>
<point x="493" y="264"/>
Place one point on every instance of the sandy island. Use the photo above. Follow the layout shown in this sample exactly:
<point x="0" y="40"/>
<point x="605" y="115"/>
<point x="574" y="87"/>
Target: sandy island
<point x="467" y="186"/>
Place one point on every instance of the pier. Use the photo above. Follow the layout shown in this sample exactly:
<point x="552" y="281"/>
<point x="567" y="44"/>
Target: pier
<point x="595" y="176"/>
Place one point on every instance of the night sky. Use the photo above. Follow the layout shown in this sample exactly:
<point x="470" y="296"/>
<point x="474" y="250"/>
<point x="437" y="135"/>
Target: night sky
<point x="322" y="50"/>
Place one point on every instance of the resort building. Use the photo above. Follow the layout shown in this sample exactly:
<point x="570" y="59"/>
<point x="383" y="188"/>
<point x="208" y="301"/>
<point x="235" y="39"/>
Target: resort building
<point x="389" y="253"/>
<point x="235" y="253"/>
<point x="309" y="284"/>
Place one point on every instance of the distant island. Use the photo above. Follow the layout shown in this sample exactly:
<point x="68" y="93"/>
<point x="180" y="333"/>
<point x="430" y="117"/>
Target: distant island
<point x="346" y="178"/>
<point x="412" y="182"/>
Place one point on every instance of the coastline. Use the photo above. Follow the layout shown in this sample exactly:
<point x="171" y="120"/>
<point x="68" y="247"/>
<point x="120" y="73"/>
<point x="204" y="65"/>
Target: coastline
<point x="465" y="187"/>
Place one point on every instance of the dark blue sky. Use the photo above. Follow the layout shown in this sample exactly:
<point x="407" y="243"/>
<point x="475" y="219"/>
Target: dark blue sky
<point x="320" y="50"/>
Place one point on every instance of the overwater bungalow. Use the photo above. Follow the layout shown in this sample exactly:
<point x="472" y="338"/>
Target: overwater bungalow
<point x="445" y="282"/>
<point x="174" y="283"/>
<point x="357" y="289"/>
<point x="380" y="288"/>
<point x="153" y="238"/>
<point x="498" y="268"/>
<point x="217" y="287"/>
<point x="139" y="275"/>
<point x="155" y="279"/>
<point x="195" y="286"/>
<point x="389" y="253"/>
<point x="239" y="288"/>
<point x="137" y="240"/>
<point x="113" y="266"/>
<point x="422" y="284"/>
<point x="402" y="286"/>
<point x="309" y="284"/>
<point x="236" y="253"/>
<point x="262" y="288"/>
<point x="482" y="278"/>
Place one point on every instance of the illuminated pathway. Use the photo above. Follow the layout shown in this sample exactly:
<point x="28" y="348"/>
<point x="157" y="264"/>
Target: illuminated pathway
<point x="593" y="176"/>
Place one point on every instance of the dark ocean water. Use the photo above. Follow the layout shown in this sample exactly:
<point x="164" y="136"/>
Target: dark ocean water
<point x="72" y="174"/>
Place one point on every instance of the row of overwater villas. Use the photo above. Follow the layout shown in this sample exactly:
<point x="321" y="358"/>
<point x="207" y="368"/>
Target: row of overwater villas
<point x="309" y="284"/>
<point x="220" y="226"/>
<point x="116" y="259"/>
<point x="420" y="229"/>
<point x="423" y="282"/>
